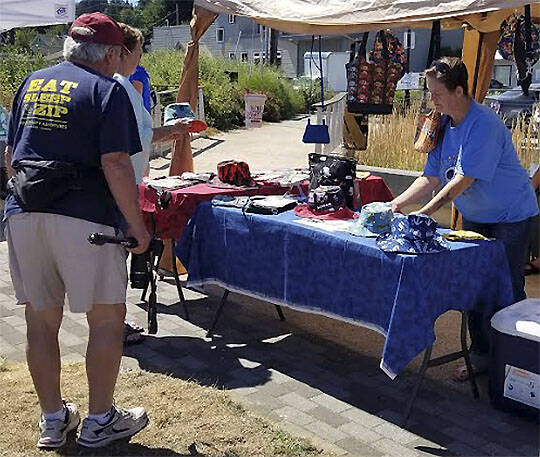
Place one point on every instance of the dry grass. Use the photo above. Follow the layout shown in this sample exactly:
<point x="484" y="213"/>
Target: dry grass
<point x="391" y="142"/>
<point x="186" y="419"/>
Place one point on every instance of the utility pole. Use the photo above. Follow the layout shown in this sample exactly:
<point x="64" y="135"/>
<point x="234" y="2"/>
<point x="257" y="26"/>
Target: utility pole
<point x="274" y="37"/>
<point x="177" y="15"/>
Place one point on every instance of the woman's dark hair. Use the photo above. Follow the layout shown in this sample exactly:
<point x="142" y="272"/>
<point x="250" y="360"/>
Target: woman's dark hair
<point x="451" y="71"/>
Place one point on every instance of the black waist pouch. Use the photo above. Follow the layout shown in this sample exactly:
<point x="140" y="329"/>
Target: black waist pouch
<point x="39" y="184"/>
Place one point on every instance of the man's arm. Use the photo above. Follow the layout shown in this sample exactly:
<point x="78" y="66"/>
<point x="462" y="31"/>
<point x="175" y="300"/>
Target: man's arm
<point x="7" y="157"/>
<point x="421" y="187"/>
<point x="121" y="179"/>
<point x="447" y="194"/>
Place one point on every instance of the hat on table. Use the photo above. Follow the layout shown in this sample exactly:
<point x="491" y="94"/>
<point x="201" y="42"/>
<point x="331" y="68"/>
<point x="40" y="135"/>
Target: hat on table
<point x="176" y="111"/>
<point x="375" y="219"/>
<point x="412" y="234"/>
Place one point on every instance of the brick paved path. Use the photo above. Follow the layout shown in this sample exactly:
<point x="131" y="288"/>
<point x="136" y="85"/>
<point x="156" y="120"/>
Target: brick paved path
<point x="340" y="400"/>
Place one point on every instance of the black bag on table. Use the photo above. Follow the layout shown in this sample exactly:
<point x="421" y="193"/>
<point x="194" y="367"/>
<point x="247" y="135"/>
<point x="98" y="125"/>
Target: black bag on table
<point x="331" y="170"/>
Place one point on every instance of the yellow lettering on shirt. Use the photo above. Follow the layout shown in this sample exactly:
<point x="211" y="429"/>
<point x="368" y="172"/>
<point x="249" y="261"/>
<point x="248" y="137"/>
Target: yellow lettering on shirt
<point x="67" y="86"/>
<point x="30" y="97"/>
<point x="50" y="86"/>
<point x="35" y="85"/>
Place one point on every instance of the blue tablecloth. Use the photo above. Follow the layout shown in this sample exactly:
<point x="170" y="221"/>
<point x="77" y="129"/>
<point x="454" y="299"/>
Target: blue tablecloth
<point x="342" y="276"/>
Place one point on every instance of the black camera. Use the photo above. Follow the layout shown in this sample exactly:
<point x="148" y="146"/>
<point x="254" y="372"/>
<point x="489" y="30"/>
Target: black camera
<point x="141" y="265"/>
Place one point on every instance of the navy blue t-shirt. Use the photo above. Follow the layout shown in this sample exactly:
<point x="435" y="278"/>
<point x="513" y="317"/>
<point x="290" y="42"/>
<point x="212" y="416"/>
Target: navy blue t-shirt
<point x="71" y="113"/>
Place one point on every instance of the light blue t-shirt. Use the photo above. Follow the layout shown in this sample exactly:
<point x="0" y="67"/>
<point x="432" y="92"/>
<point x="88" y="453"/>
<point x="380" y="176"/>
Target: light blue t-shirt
<point x="481" y="147"/>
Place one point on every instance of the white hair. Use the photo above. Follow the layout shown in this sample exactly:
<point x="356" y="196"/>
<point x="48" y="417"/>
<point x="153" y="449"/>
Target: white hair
<point x="84" y="50"/>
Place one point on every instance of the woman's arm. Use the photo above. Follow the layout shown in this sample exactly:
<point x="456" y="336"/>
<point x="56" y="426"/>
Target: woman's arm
<point x="170" y="132"/>
<point x="447" y="194"/>
<point x="421" y="187"/>
<point x="138" y="86"/>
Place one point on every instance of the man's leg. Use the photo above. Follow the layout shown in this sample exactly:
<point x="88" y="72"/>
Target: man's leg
<point x="105" y="344"/>
<point x="43" y="355"/>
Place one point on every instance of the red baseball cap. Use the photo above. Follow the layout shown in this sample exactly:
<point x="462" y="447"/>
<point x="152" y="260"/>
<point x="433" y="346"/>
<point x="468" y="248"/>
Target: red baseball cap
<point x="101" y="29"/>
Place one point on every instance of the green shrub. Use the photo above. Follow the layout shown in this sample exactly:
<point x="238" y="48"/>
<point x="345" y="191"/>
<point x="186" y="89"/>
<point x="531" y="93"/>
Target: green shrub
<point x="223" y="93"/>
<point x="15" y="65"/>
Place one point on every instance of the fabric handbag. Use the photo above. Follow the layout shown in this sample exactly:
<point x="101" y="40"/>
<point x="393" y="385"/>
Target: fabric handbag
<point x="326" y="198"/>
<point x="331" y="170"/>
<point x="235" y="173"/>
<point x="428" y="128"/>
<point x="520" y="42"/>
<point x="316" y="133"/>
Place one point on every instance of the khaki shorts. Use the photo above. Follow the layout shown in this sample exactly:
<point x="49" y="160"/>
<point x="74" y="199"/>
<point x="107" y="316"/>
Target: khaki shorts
<point x="50" y="256"/>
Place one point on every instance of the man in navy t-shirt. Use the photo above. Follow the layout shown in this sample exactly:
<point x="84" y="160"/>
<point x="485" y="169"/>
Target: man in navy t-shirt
<point x="74" y="116"/>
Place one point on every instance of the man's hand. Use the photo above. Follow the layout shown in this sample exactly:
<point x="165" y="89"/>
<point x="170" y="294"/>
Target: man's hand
<point x="143" y="240"/>
<point x="121" y="179"/>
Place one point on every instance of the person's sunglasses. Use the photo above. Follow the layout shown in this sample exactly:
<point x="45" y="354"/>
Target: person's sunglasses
<point x="441" y="67"/>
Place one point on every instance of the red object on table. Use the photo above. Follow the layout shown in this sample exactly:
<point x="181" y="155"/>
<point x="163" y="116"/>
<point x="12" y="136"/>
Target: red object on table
<point x="171" y="221"/>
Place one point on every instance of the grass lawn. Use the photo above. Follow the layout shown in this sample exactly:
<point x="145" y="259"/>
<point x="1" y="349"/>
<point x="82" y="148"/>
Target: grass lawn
<point x="186" y="419"/>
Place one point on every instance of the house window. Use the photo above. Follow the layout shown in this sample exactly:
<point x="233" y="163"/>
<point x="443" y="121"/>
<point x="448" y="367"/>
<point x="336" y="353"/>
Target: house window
<point x="406" y="43"/>
<point x="256" y="57"/>
<point x="260" y="28"/>
<point x="232" y="18"/>
<point x="244" y="56"/>
<point x="220" y="35"/>
<point x="232" y="56"/>
<point x="278" y="58"/>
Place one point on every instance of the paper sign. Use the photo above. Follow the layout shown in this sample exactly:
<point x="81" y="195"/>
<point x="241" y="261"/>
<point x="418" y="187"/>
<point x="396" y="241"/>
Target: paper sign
<point x="409" y="81"/>
<point x="522" y="386"/>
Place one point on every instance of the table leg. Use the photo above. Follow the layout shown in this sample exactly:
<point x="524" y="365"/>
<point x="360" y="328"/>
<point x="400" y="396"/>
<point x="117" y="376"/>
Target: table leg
<point x="210" y="332"/>
<point x="177" y="281"/>
<point x="466" y="354"/>
<point x="421" y="373"/>
<point x="280" y="312"/>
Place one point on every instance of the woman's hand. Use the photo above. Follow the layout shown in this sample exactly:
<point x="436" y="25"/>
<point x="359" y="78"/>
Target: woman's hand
<point x="180" y="127"/>
<point x="396" y="206"/>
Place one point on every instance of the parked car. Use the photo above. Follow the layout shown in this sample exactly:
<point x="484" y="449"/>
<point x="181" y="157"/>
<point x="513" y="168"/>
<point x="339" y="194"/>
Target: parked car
<point x="496" y="84"/>
<point x="513" y="104"/>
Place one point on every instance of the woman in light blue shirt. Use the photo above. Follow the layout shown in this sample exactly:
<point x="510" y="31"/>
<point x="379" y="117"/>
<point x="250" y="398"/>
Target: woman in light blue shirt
<point x="133" y="41"/>
<point x="479" y="170"/>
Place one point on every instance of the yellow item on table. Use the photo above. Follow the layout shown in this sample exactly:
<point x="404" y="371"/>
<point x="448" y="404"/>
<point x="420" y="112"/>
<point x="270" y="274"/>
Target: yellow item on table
<point x="468" y="235"/>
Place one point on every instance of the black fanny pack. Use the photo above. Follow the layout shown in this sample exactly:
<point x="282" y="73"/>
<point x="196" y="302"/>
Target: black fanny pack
<point x="39" y="184"/>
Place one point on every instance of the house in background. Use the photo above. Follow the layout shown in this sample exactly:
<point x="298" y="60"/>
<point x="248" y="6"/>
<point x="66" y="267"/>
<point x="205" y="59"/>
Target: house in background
<point x="237" y="37"/>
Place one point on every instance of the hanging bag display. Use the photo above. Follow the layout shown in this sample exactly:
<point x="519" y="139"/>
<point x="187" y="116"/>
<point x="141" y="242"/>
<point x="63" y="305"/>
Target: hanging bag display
<point x="428" y="130"/>
<point x="519" y="42"/>
<point x="371" y="84"/>
<point x="314" y="133"/>
<point x="429" y="123"/>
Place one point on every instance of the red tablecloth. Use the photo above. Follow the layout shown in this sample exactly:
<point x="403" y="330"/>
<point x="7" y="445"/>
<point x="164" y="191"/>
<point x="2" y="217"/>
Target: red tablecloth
<point x="171" y="221"/>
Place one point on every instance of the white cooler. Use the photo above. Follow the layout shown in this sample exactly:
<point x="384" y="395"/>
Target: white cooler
<point x="515" y="364"/>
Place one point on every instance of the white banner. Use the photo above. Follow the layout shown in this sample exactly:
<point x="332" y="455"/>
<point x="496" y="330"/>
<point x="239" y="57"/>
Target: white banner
<point x="33" y="13"/>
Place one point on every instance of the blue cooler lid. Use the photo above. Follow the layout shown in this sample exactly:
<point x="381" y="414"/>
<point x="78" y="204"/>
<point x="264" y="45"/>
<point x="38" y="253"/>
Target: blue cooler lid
<point x="520" y="319"/>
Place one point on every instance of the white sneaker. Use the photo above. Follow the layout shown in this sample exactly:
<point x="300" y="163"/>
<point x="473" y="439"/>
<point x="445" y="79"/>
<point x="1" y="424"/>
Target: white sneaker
<point x="54" y="432"/>
<point x="123" y="423"/>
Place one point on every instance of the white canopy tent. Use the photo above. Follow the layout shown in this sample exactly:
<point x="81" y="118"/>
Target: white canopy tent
<point x="327" y="17"/>
<point x="34" y="13"/>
